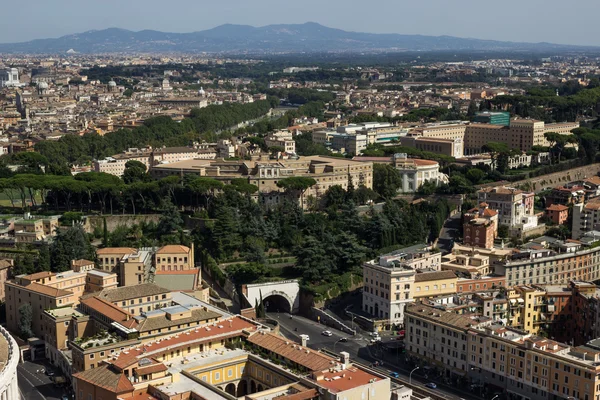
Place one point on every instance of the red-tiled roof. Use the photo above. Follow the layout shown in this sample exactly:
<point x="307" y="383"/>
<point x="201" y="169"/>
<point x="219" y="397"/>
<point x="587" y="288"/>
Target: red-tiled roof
<point x="116" y="250"/>
<point x="557" y="207"/>
<point x="308" y="358"/>
<point x="38" y="275"/>
<point x="43" y="289"/>
<point x="350" y="378"/>
<point x="112" y="312"/>
<point x="106" y="378"/>
<point x="173" y="248"/>
<point x="226" y="328"/>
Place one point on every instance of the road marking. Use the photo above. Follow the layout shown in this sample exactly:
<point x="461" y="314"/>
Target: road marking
<point x="34" y="387"/>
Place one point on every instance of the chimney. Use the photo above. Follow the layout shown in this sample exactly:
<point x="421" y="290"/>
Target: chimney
<point x="303" y="340"/>
<point x="345" y="358"/>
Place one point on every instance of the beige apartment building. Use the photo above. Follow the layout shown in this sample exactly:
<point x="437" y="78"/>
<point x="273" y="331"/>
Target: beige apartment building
<point x="390" y="280"/>
<point x="487" y="353"/>
<point x="134" y="268"/>
<point x="30" y="230"/>
<point x="174" y="258"/>
<point x="137" y="299"/>
<point x="109" y="258"/>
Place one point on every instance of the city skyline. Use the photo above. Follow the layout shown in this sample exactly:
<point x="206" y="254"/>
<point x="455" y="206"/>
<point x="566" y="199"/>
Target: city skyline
<point x="445" y="19"/>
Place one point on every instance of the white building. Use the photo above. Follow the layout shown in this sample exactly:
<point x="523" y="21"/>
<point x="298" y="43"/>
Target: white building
<point x="9" y="388"/>
<point x="511" y="204"/>
<point x="389" y="281"/>
<point x="586" y="218"/>
<point x="9" y="78"/>
<point x="283" y="139"/>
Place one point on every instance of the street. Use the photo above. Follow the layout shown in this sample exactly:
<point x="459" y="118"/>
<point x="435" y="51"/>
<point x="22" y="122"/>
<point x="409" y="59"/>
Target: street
<point x="448" y="233"/>
<point x="36" y="385"/>
<point x="360" y="349"/>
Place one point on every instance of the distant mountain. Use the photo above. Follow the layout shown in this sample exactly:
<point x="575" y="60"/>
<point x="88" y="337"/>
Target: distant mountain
<point x="309" y="37"/>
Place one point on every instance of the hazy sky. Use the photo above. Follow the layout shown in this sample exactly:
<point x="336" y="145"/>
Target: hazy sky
<point x="556" y="21"/>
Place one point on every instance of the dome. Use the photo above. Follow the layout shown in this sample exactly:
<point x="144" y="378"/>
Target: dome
<point x="112" y="84"/>
<point x="42" y="85"/>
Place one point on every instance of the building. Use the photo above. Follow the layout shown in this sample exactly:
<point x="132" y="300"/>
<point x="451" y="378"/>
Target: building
<point x="414" y="171"/>
<point x="566" y="195"/>
<point x="473" y="266"/>
<point x="586" y="218"/>
<point x="31" y="230"/>
<point x="209" y="362"/>
<point x="521" y="134"/>
<point x="283" y="139"/>
<point x="557" y="213"/>
<point x="388" y="282"/>
<point x="493" y="118"/>
<point x="137" y="299"/>
<point x="480" y="227"/>
<point x="5" y="271"/>
<point x="9" y="78"/>
<point x="511" y="204"/>
<point x="150" y="157"/>
<point x="434" y="284"/>
<point x="448" y="147"/>
<point x="47" y="290"/>
<point x="265" y="173"/>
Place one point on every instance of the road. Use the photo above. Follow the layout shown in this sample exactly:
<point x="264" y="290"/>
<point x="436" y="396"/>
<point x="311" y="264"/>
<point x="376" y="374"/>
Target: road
<point x="35" y="385"/>
<point x="361" y="350"/>
<point x="448" y="233"/>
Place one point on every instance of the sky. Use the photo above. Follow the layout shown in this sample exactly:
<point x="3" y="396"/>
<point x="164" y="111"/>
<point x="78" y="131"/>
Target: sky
<point x="555" y="21"/>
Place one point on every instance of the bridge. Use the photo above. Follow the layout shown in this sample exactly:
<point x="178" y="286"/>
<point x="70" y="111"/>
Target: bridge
<point x="282" y="296"/>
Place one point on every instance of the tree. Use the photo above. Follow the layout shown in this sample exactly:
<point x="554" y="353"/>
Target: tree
<point x="335" y="196"/>
<point x="475" y="175"/>
<point x="503" y="231"/>
<point x="495" y="149"/>
<point x="170" y="221"/>
<point x="472" y="109"/>
<point x="44" y="261"/>
<point x="386" y="180"/>
<point x="25" y="320"/>
<point x="297" y="184"/>
<point x="70" y="244"/>
<point x="135" y="171"/>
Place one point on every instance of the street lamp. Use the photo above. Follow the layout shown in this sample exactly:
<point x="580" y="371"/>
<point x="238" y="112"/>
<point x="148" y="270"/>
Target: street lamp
<point x="410" y="375"/>
<point x="336" y="342"/>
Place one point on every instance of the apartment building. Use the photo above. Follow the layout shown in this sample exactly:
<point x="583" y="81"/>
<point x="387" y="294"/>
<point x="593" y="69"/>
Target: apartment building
<point x="513" y="205"/>
<point x="31" y="230"/>
<point x="283" y="139"/>
<point x="137" y="299"/>
<point x="48" y="290"/>
<point x="135" y="268"/>
<point x="109" y="258"/>
<point x="448" y="147"/>
<point x="473" y="266"/>
<point x="586" y="218"/>
<point x="389" y="281"/>
<point x="434" y="284"/>
<point x="480" y="227"/>
<point x="265" y="173"/>
<point x="547" y="267"/>
<point x="557" y="213"/>
<point x="502" y="358"/>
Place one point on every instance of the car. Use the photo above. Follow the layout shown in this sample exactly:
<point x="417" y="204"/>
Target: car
<point x="376" y="339"/>
<point x="431" y="385"/>
<point x="374" y="333"/>
<point x="49" y="372"/>
<point x="395" y="375"/>
<point x="344" y="339"/>
<point x="326" y="333"/>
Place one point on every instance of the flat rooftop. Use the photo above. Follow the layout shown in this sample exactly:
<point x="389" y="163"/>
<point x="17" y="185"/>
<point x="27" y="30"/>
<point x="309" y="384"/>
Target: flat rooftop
<point x="64" y="312"/>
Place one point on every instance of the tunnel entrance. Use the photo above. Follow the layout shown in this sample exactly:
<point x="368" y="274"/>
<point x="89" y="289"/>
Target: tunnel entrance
<point x="277" y="303"/>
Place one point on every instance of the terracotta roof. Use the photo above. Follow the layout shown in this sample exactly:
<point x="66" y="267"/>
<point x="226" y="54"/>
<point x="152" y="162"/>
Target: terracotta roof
<point x="349" y="378"/>
<point x="202" y="334"/>
<point x="106" y="378"/>
<point x="116" y="250"/>
<point x="419" y="161"/>
<point x="38" y="275"/>
<point x="82" y="262"/>
<point x="43" y="289"/>
<point x="131" y="292"/>
<point x="151" y="369"/>
<point x="200" y="314"/>
<point x="308" y="358"/>
<point x="5" y="264"/>
<point x="489" y="213"/>
<point x="557" y="207"/>
<point x="593" y="179"/>
<point x="110" y="311"/>
<point x="434" y="276"/>
<point x="593" y="205"/>
<point x="173" y="248"/>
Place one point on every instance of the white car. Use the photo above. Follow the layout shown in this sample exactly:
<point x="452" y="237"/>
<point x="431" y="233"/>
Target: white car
<point x="375" y="339"/>
<point x="326" y="333"/>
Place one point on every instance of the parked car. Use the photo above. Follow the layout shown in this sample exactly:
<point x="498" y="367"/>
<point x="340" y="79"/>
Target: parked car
<point x="395" y="375"/>
<point x="326" y="333"/>
<point x="49" y="372"/>
<point x="375" y="339"/>
<point x="431" y="385"/>
<point x="344" y="339"/>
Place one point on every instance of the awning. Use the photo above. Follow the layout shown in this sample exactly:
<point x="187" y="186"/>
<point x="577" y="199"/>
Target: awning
<point x="513" y="301"/>
<point x="520" y="300"/>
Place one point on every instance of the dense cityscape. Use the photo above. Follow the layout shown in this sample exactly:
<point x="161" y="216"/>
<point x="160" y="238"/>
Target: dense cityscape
<point x="180" y="223"/>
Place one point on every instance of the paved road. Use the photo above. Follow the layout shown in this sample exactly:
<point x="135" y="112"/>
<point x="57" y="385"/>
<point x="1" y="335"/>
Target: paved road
<point x="361" y="350"/>
<point x="36" y="385"/>
<point x="448" y="233"/>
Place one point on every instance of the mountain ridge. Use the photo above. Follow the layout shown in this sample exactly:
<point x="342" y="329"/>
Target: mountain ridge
<point x="309" y="37"/>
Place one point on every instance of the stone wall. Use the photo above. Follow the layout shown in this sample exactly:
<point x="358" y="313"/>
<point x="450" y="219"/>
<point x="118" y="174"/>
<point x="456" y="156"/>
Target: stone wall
<point x="113" y="221"/>
<point x="550" y="181"/>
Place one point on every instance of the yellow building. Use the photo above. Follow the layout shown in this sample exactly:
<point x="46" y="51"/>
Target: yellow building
<point x="431" y="284"/>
